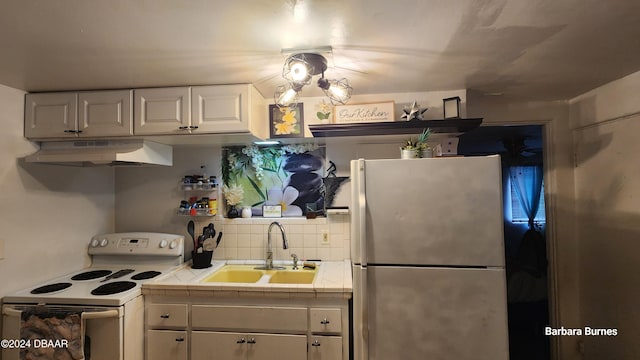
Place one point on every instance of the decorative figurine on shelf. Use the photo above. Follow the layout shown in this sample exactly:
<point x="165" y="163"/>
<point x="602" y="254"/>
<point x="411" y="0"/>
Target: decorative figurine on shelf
<point x="413" y="112"/>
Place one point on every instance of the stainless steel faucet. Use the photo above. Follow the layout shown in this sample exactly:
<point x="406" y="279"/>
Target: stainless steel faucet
<point x="268" y="263"/>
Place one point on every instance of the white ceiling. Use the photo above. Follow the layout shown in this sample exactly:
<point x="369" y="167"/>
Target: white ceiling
<point x="532" y="49"/>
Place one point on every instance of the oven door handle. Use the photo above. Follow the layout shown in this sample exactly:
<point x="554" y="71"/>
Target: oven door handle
<point x="88" y="315"/>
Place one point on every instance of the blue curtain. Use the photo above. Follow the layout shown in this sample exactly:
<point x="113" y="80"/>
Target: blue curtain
<point x="527" y="181"/>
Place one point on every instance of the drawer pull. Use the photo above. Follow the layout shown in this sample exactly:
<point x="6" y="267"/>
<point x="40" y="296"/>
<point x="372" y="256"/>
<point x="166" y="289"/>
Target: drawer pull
<point x="180" y="339"/>
<point x="241" y="341"/>
<point x="164" y="316"/>
<point x="325" y="321"/>
<point x="252" y="341"/>
<point x="315" y="343"/>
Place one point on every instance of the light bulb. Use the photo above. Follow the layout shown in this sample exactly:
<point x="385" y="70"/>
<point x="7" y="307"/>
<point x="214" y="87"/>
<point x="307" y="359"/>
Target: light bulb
<point x="299" y="72"/>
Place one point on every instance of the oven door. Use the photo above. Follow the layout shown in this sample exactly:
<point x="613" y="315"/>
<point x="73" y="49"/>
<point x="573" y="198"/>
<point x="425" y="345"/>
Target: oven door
<point x="102" y="327"/>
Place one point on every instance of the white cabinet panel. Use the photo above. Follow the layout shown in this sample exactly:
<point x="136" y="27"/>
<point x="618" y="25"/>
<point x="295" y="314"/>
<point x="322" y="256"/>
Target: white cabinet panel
<point x="325" y="320"/>
<point x="220" y="108"/>
<point x="325" y="347"/>
<point x="162" y="111"/>
<point x="167" y="315"/>
<point x="105" y="113"/>
<point x="247" y="346"/>
<point x="50" y="115"/>
<point x="167" y="345"/>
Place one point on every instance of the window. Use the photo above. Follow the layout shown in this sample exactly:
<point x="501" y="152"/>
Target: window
<point x="518" y="214"/>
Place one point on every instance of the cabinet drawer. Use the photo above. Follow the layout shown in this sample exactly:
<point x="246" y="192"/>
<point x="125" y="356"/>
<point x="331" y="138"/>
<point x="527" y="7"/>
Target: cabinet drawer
<point x="167" y="315"/>
<point x="326" y="320"/>
<point x="252" y="318"/>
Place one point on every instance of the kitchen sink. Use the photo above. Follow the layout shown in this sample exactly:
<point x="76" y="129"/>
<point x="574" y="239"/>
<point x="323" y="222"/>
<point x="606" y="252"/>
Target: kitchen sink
<point x="249" y="274"/>
<point x="293" y="277"/>
<point x="232" y="273"/>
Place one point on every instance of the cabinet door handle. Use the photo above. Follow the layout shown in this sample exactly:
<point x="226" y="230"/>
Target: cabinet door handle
<point x="193" y="127"/>
<point x="180" y="339"/>
<point x="73" y="131"/>
<point x="184" y="127"/>
<point x="325" y="321"/>
<point x="241" y="341"/>
<point x="251" y="341"/>
<point x="315" y="343"/>
<point x="164" y="316"/>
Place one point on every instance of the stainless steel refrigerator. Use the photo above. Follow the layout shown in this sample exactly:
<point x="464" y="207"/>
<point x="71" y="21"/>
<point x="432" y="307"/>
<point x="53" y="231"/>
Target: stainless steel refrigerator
<point x="428" y="259"/>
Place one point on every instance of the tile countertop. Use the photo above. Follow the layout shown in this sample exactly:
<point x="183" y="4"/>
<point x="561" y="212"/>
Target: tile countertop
<point x="332" y="280"/>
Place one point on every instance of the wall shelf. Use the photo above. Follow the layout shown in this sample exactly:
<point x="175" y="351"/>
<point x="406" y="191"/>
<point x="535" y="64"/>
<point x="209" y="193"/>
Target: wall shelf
<point x="447" y="126"/>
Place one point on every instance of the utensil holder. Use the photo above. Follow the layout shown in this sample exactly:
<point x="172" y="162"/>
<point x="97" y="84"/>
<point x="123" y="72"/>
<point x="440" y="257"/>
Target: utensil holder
<point x="201" y="260"/>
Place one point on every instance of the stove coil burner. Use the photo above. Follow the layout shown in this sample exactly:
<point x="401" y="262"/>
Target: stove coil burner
<point x="50" y="288"/>
<point x="90" y="275"/>
<point x="113" y="288"/>
<point x="146" y="275"/>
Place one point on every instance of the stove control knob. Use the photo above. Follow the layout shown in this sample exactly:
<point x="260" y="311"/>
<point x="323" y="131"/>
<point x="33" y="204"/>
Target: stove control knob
<point x="104" y="242"/>
<point x="163" y="243"/>
<point x="95" y="243"/>
<point x="173" y="244"/>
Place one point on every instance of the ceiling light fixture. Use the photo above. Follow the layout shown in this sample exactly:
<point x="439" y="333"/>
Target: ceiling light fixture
<point x="298" y="70"/>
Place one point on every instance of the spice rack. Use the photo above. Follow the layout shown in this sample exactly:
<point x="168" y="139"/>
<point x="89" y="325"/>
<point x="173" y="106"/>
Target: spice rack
<point x="201" y="196"/>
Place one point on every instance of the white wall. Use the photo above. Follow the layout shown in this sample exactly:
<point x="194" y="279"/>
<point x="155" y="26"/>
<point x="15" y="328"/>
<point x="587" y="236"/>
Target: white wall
<point x="47" y="213"/>
<point x="606" y="126"/>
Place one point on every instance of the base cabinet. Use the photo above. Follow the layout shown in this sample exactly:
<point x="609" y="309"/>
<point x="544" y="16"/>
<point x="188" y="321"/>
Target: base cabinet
<point x="242" y="328"/>
<point x="247" y="346"/>
<point x="167" y="345"/>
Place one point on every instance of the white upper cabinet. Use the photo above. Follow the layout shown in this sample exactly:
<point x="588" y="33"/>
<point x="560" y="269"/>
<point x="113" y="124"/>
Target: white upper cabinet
<point x="78" y="114"/>
<point x="214" y="109"/>
<point x="50" y="115"/>
<point x="222" y="108"/>
<point x="162" y="111"/>
<point x="105" y="113"/>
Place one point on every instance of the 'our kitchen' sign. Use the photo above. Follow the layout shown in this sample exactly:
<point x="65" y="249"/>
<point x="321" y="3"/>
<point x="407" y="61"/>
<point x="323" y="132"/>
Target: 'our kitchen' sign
<point x="371" y="112"/>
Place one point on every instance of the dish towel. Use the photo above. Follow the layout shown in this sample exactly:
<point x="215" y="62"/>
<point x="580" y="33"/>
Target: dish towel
<point x="54" y="335"/>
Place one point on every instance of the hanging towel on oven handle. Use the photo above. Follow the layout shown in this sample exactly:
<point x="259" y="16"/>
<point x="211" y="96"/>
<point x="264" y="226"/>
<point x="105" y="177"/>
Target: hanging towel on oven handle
<point x="59" y="333"/>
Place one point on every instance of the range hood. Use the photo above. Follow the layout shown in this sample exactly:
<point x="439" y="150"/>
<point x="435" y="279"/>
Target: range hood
<point x="129" y="152"/>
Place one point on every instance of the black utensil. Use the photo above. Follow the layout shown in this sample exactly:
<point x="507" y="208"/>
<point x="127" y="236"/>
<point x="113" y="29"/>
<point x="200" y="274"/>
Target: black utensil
<point x="191" y="230"/>
<point x="219" y="238"/>
<point x="212" y="230"/>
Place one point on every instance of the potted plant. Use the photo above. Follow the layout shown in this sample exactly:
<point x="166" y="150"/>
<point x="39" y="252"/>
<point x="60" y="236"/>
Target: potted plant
<point x="417" y="148"/>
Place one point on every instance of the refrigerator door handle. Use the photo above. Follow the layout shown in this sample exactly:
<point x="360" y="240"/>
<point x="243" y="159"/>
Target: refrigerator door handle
<point x="360" y="314"/>
<point x="362" y="208"/>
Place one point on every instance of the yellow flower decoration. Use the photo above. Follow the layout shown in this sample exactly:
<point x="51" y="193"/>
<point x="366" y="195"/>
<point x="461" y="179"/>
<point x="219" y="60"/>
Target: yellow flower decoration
<point x="288" y="123"/>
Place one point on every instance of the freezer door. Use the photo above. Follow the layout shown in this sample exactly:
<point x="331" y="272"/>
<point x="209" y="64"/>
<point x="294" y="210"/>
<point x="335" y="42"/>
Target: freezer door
<point x="437" y="313"/>
<point x="440" y="211"/>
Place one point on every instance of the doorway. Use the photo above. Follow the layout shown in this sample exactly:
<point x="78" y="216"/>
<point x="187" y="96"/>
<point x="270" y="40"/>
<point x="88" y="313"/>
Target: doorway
<point x="521" y="149"/>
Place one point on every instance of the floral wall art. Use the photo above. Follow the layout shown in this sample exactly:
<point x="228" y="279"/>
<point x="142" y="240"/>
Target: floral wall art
<point x="286" y="175"/>
<point x="286" y="122"/>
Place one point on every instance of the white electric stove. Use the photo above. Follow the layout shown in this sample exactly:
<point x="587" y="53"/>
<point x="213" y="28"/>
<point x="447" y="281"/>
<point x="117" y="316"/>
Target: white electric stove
<point x="107" y="293"/>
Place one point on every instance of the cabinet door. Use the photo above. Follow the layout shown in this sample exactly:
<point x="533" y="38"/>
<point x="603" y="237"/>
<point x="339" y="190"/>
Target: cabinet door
<point x="276" y="347"/>
<point x="225" y="345"/>
<point x="162" y="111"/>
<point x="325" y="347"/>
<point x="50" y="115"/>
<point x="220" y="108"/>
<point x="166" y="345"/>
<point x="105" y="113"/>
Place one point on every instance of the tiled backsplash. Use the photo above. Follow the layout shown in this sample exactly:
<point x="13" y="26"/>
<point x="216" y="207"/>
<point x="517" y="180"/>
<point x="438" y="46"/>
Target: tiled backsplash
<point x="246" y="239"/>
